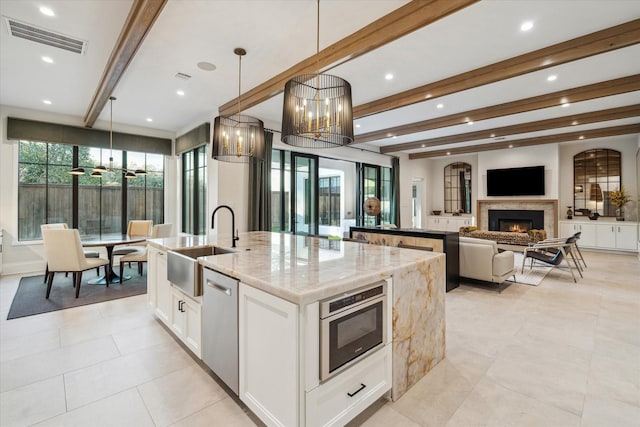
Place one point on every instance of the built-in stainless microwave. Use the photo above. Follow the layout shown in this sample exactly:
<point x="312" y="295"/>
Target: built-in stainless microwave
<point x="352" y="325"/>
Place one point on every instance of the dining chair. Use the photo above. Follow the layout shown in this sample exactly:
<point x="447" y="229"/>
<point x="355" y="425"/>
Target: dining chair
<point x="65" y="254"/>
<point x="64" y="226"/>
<point x="135" y="228"/>
<point x="140" y="256"/>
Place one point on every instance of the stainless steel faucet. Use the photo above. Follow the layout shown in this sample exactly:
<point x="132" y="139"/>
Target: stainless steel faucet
<point x="234" y="237"/>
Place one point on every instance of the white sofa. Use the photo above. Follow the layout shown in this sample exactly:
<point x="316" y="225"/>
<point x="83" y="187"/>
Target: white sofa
<point x="480" y="260"/>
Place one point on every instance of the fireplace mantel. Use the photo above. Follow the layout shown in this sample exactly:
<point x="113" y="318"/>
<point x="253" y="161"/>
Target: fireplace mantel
<point x="549" y="206"/>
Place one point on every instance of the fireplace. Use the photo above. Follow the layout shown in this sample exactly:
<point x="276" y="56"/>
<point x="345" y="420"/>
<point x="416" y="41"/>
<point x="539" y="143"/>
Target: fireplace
<point x="519" y="221"/>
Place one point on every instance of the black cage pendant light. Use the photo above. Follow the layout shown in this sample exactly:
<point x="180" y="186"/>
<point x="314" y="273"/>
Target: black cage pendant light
<point x="238" y="138"/>
<point x="317" y="110"/>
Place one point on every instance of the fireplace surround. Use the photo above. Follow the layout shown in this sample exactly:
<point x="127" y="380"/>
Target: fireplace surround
<point x="549" y="206"/>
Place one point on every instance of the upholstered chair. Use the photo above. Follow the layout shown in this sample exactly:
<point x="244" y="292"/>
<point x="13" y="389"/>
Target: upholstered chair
<point x="140" y="256"/>
<point x="64" y="253"/>
<point x="64" y="226"/>
<point x="135" y="228"/>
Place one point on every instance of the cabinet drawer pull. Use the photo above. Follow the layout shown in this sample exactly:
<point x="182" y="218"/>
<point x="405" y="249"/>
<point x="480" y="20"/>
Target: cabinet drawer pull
<point x="362" y="387"/>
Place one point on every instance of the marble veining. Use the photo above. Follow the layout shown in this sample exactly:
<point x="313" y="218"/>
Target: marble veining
<point x="302" y="269"/>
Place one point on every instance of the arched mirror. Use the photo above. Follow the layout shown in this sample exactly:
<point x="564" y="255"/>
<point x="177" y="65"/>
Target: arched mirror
<point x="596" y="173"/>
<point x="457" y="188"/>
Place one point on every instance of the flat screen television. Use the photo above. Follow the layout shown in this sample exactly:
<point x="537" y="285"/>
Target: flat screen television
<point x="526" y="181"/>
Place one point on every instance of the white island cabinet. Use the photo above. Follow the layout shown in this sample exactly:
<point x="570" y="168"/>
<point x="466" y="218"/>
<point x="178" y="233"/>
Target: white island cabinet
<point x="279" y="365"/>
<point x="283" y="279"/>
<point x="180" y="312"/>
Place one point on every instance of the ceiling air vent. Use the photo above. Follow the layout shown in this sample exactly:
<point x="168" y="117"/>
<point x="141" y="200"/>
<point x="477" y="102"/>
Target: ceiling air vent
<point x="40" y="35"/>
<point x="183" y="76"/>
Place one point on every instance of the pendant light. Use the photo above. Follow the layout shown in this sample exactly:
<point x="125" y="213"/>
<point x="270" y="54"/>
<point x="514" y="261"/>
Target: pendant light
<point x="317" y="110"/>
<point x="100" y="169"/>
<point x="238" y="138"/>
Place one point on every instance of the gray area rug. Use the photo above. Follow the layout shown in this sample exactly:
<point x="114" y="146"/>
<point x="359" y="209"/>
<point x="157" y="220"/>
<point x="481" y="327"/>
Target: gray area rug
<point x="30" y="296"/>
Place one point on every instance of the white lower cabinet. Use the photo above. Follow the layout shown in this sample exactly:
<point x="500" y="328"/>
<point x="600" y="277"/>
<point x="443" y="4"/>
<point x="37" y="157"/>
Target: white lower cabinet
<point x="620" y="235"/>
<point x="186" y="320"/>
<point x="268" y="344"/>
<point x="336" y="401"/>
<point x="178" y="311"/>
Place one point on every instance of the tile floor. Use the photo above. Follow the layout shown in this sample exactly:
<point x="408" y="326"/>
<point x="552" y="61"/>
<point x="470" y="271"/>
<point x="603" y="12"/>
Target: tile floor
<point x="559" y="354"/>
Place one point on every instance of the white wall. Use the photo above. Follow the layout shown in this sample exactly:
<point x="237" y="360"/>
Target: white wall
<point x="19" y="257"/>
<point x="626" y="144"/>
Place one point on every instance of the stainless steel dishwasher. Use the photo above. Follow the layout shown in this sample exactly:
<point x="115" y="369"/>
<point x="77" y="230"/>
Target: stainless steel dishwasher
<point x="220" y="326"/>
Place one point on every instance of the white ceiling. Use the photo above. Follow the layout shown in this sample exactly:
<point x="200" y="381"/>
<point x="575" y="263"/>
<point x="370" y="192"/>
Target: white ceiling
<point x="278" y="34"/>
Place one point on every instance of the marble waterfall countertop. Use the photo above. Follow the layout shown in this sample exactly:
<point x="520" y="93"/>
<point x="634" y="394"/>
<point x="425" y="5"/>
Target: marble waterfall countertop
<point x="304" y="270"/>
<point x="300" y="269"/>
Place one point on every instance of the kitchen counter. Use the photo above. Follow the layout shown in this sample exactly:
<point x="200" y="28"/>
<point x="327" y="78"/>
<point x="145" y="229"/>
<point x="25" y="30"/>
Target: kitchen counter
<point x="304" y="270"/>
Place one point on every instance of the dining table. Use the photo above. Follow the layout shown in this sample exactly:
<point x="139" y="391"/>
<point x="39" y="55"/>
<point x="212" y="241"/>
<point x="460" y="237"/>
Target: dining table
<point x="110" y="241"/>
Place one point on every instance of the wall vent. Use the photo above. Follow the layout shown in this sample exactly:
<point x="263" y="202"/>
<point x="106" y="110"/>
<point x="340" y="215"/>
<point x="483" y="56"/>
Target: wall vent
<point x="183" y="76"/>
<point x="49" y="38"/>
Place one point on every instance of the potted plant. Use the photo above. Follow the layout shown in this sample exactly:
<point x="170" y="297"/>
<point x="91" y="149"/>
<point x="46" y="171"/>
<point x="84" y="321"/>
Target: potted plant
<point x="619" y="198"/>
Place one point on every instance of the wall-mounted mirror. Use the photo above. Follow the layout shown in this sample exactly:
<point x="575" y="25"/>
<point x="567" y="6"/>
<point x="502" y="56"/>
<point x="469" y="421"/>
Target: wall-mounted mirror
<point x="457" y="188"/>
<point x="595" y="174"/>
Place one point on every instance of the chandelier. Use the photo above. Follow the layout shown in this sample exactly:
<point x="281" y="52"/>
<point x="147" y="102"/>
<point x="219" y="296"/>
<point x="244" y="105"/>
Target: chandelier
<point x="317" y="110"/>
<point x="99" y="170"/>
<point x="238" y="138"/>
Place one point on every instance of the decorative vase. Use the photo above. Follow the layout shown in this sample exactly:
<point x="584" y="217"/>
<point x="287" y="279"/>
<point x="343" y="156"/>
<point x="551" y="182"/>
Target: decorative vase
<point x="620" y="214"/>
<point x="569" y="212"/>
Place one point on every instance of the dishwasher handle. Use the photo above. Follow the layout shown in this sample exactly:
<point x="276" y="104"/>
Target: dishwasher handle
<point x="223" y="289"/>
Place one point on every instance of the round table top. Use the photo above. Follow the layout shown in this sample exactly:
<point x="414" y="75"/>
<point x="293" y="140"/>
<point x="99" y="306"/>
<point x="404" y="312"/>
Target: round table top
<point x="111" y="240"/>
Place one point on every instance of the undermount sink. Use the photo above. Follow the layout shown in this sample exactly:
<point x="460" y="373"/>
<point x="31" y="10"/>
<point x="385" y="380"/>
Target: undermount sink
<point x="183" y="269"/>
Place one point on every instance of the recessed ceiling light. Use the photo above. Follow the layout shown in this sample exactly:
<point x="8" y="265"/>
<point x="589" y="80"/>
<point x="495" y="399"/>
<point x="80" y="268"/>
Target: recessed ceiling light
<point x="448" y="153"/>
<point x="439" y="106"/>
<point x="552" y="77"/>
<point x="526" y="26"/>
<point x="575" y="122"/>
<point x="46" y="11"/>
<point x="206" y="66"/>
<point x="510" y="145"/>
<point x="388" y="76"/>
<point x="180" y="92"/>
<point x="565" y="104"/>
<point x="423" y="145"/>
<point x="46" y="101"/>
<point x="47" y="59"/>
<point x="427" y="96"/>
<point x="492" y="135"/>
<point x="149" y="119"/>
<point x="581" y="137"/>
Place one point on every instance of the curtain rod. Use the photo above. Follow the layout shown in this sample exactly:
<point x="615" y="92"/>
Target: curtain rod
<point x="344" y="146"/>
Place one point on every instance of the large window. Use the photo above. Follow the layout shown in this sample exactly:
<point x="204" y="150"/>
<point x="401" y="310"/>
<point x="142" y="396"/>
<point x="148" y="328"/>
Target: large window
<point x="47" y="193"/>
<point x="194" y="191"/>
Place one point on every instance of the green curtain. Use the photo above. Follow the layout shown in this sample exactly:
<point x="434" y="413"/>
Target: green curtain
<point x="395" y="191"/>
<point x="260" y="189"/>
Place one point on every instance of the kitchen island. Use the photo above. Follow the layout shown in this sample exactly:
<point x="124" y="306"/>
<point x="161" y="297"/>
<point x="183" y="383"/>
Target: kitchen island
<point x="282" y="280"/>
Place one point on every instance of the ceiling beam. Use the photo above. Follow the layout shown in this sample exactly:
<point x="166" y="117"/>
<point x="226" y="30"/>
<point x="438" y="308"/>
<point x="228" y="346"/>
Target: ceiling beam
<point x="554" y="123"/>
<point x="402" y="21"/>
<point x="606" y="40"/>
<point x="141" y="17"/>
<point x="549" y="139"/>
<point x="582" y="93"/>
